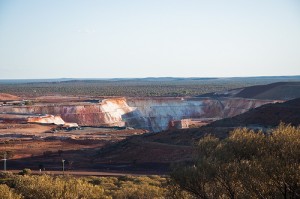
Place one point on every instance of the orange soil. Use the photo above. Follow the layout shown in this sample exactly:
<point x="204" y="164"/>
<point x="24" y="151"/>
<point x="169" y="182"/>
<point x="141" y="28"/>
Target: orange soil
<point x="6" y="97"/>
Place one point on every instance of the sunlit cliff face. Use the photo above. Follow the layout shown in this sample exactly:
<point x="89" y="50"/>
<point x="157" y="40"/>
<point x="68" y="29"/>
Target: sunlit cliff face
<point x="153" y="114"/>
<point x="48" y="119"/>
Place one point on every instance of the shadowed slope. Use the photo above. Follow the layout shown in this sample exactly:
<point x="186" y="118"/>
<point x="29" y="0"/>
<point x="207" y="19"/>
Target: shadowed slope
<point x="266" y="115"/>
<point x="280" y="90"/>
<point x="274" y="91"/>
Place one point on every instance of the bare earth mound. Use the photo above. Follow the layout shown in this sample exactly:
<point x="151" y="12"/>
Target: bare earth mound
<point x="8" y="97"/>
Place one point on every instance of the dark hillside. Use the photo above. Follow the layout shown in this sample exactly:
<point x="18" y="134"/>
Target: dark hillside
<point x="266" y="115"/>
<point x="279" y="91"/>
<point x="157" y="150"/>
<point x="273" y="91"/>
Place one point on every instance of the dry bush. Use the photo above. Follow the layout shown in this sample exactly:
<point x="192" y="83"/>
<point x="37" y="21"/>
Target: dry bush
<point x="247" y="164"/>
<point x="126" y="187"/>
<point x="8" y="193"/>
<point x="47" y="187"/>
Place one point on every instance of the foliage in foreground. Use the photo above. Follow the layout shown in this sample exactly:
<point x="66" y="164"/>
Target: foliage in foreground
<point x="132" y="187"/>
<point x="45" y="187"/>
<point x="247" y="164"/>
<point x="8" y="193"/>
<point x="66" y="187"/>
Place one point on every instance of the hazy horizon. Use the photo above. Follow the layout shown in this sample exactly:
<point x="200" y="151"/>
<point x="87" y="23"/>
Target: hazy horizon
<point x="291" y="77"/>
<point x="138" y="39"/>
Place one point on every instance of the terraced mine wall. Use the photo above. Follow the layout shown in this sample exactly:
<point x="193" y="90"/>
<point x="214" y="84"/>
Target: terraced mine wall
<point x="153" y="114"/>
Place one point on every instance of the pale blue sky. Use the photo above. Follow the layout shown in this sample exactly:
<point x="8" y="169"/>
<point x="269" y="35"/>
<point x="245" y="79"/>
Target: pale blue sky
<point x="126" y="38"/>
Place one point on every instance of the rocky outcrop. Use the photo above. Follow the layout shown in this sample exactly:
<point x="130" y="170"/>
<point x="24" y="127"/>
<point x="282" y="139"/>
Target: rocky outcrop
<point x="153" y="114"/>
<point x="47" y="119"/>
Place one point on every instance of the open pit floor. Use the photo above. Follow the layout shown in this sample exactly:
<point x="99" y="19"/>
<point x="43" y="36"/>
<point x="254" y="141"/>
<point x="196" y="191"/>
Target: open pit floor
<point x="36" y="146"/>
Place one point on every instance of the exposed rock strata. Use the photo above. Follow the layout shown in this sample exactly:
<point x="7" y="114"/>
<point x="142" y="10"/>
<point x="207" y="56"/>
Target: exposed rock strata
<point x="47" y="119"/>
<point x="153" y="114"/>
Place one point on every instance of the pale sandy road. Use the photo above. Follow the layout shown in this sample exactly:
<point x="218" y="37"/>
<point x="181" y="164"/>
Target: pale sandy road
<point x="84" y="173"/>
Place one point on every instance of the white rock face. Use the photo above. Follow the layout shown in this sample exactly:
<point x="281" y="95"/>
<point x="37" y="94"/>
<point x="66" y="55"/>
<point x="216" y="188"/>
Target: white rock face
<point x="47" y="119"/>
<point x="153" y="114"/>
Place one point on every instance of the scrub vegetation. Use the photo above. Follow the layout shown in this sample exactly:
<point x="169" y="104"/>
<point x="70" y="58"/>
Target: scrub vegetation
<point x="141" y="88"/>
<point x="246" y="164"/>
<point x="67" y="187"/>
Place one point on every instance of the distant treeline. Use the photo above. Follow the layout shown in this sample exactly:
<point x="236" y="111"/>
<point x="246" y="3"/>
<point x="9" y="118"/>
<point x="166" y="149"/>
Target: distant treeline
<point x="133" y="87"/>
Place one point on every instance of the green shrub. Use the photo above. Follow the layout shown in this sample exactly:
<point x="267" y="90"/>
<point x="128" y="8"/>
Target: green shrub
<point x="25" y="172"/>
<point x="28" y="103"/>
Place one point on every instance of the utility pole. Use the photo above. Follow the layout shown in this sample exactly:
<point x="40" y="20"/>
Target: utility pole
<point x="4" y="159"/>
<point x="63" y="166"/>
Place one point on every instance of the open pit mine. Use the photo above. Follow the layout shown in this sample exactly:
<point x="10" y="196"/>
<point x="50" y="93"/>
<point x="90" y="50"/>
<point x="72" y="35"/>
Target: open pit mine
<point x="152" y="114"/>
